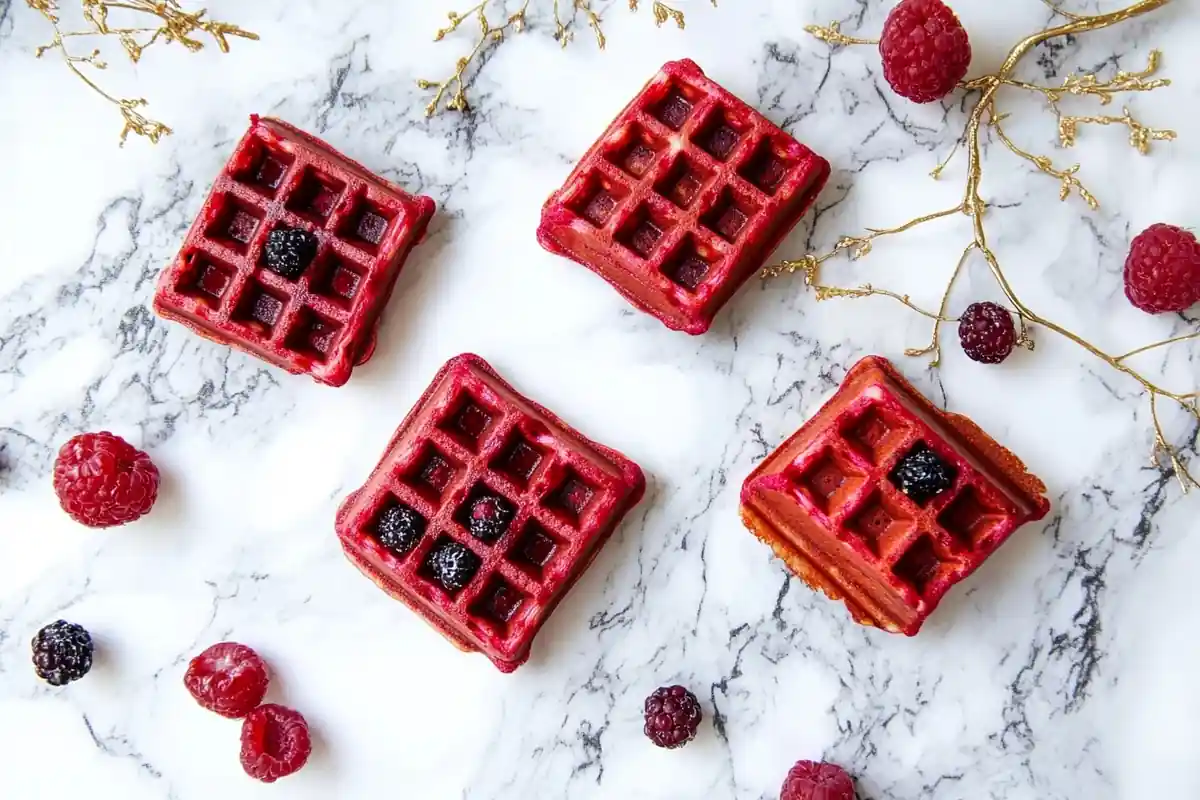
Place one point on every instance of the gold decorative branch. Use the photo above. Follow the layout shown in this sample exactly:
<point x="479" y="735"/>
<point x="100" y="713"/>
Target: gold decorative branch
<point x="985" y="116"/>
<point x="172" y="23"/>
<point x="832" y="34"/>
<point x="488" y="34"/>
<point x="564" y="23"/>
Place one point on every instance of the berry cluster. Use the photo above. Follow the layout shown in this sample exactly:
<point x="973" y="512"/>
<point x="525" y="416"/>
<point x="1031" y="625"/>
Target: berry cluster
<point x="231" y="679"/>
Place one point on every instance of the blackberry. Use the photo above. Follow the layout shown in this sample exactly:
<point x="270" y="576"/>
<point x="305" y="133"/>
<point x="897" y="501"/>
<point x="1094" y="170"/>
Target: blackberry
<point x="452" y="565"/>
<point x="400" y="528"/>
<point x="62" y="652"/>
<point x="289" y="251"/>
<point x="489" y="518"/>
<point x="673" y="716"/>
<point x="987" y="333"/>
<point x="923" y="475"/>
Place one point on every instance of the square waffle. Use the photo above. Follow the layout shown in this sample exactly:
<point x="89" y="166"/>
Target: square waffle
<point x="829" y="501"/>
<point x="471" y="436"/>
<point x="323" y="323"/>
<point x="683" y="198"/>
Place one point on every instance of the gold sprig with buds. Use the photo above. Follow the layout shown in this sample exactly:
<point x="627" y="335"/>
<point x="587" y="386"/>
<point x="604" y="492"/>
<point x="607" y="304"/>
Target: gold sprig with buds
<point x="172" y="24"/>
<point x="451" y="93"/>
<point x="984" y="116"/>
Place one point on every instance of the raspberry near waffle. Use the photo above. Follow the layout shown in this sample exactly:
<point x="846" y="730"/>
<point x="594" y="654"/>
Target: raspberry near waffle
<point x="484" y="511"/>
<point x="683" y="198"/>
<point x="340" y="235"/>
<point x="885" y="501"/>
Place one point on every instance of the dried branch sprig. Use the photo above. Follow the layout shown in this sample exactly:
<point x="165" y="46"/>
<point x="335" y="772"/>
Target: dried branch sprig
<point x="580" y="12"/>
<point x="562" y="28"/>
<point x="1090" y="85"/>
<point x="985" y="116"/>
<point x="832" y="34"/>
<point x="664" y="13"/>
<point x="1140" y="136"/>
<point x="489" y="34"/>
<point x="172" y="24"/>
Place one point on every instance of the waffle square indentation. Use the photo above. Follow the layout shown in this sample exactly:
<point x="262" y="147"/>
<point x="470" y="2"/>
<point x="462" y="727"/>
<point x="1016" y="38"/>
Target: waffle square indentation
<point x="829" y="480"/>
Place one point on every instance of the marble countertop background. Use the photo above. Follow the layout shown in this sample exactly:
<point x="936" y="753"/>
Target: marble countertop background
<point x="1063" y="670"/>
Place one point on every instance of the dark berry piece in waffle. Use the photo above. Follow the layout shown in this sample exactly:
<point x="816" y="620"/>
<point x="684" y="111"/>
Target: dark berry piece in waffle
<point x="294" y="254"/>
<point x="885" y="501"/>
<point x="289" y="251"/>
<point x="683" y="198"/>
<point x="400" y="528"/>
<point x="515" y="505"/>
<point x="488" y="517"/>
<point x="922" y="474"/>
<point x="452" y="565"/>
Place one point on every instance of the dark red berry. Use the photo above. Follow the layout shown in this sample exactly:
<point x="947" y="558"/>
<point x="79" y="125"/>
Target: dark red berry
<point x="1162" y="273"/>
<point x="452" y="565"/>
<point x="275" y="743"/>
<point x="987" y="333"/>
<point x="673" y="716"/>
<point x="489" y="518"/>
<point x="229" y="679"/>
<point x="101" y="480"/>
<point x="400" y="528"/>
<point x="808" y="780"/>
<point x="289" y="251"/>
<point x="922" y="474"/>
<point x="62" y="653"/>
<point x="925" y="50"/>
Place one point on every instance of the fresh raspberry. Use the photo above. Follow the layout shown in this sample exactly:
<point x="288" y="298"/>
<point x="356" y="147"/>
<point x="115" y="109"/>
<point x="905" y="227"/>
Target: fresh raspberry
<point x="275" y="743"/>
<point x="925" y="50"/>
<point x="101" y="480"/>
<point x="229" y="679"/>
<point x="987" y="333"/>
<point x="62" y="653"/>
<point x="673" y="716"/>
<point x="1162" y="273"/>
<point x="808" y="780"/>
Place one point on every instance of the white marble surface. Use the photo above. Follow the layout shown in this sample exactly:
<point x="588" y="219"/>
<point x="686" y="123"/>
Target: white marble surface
<point x="1062" y="670"/>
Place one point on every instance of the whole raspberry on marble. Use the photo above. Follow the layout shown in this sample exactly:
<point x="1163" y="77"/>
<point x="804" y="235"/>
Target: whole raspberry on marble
<point x="987" y="333"/>
<point x="229" y="679"/>
<point x="101" y="480"/>
<point x="275" y="743"/>
<point x="673" y="716"/>
<point x="1162" y="272"/>
<point x="808" y="780"/>
<point x="925" y="50"/>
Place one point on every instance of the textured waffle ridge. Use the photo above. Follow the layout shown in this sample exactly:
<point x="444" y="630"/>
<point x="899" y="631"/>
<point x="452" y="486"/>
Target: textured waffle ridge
<point x="322" y="323"/>
<point x="483" y="440"/>
<point x="829" y="503"/>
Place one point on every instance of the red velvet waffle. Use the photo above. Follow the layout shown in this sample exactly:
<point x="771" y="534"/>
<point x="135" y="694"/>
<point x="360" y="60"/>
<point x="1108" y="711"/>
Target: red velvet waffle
<point x="828" y="500"/>
<point x="472" y="436"/>
<point x="683" y="198"/>
<point x="324" y="322"/>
